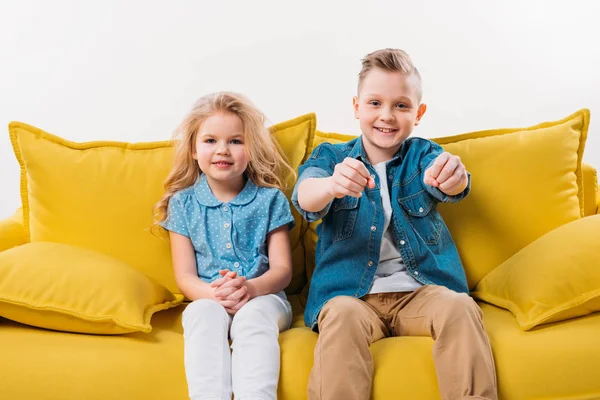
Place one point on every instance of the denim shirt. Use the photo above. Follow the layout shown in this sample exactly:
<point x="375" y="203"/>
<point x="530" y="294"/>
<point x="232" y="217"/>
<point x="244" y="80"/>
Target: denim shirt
<point x="350" y="235"/>
<point x="229" y="235"/>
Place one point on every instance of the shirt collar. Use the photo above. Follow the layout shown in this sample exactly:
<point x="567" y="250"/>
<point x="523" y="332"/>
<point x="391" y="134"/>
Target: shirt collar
<point x="358" y="151"/>
<point x="206" y="197"/>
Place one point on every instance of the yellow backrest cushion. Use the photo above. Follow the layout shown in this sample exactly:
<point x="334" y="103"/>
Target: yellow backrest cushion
<point x="590" y="189"/>
<point x="525" y="183"/>
<point x="99" y="195"/>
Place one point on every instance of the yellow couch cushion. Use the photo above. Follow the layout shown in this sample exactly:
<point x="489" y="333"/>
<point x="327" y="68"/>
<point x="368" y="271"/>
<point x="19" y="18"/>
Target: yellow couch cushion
<point x="525" y="183"/>
<point x="51" y="365"/>
<point x="552" y="362"/>
<point x="99" y="195"/>
<point x="66" y="288"/>
<point x="11" y="231"/>
<point x="556" y="277"/>
<point x="590" y="189"/>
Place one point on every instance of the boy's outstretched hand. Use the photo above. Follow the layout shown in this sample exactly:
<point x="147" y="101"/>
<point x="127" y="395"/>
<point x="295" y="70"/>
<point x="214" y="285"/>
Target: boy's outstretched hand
<point x="448" y="174"/>
<point x="350" y="178"/>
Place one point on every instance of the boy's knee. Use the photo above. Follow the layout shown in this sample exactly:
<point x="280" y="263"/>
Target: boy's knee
<point x="204" y="309"/>
<point x="460" y="306"/>
<point x="341" y="309"/>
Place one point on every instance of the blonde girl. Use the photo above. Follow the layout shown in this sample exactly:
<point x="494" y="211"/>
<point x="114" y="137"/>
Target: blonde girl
<point x="228" y="224"/>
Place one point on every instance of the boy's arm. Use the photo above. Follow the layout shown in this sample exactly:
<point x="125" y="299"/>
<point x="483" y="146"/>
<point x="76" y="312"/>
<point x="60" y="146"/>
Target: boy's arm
<point x="316" y="189"/>
<point x="444" y="176"/>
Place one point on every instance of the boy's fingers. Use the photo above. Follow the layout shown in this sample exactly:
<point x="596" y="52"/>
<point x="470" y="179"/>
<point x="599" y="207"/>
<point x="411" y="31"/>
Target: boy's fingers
<point x="350" y="184"/>
<point x="438" y="165"/>
<point x="352" y="174"/>
<point x="449" y="169"/>
<point x="428" y="180"/>
<point x="454" y="180"/>
<point x="358" y="166"/>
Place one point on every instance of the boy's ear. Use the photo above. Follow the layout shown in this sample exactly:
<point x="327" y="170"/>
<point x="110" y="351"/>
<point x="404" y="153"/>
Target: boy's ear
<point x="420" y="113"/>
<point x="355" y="106"/>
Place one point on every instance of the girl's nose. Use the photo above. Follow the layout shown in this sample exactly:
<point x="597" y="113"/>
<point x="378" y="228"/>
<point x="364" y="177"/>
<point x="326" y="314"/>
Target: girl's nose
<point x="223" y="149"/>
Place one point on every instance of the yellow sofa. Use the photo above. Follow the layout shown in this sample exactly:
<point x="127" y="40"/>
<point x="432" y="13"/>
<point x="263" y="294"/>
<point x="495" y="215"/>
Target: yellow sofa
<point x="93" y="196"/>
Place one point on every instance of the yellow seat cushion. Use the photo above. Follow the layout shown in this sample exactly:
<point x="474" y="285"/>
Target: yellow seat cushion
<point x="556" y="277"/>
<point x="552" y="362"/>
<point x="99" y="195"/>
<point x="66" y="288"/>
<point x="51" y="365"/>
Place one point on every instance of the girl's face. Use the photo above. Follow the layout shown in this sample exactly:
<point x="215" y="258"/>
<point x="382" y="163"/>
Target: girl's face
<point x="220" y="149"/>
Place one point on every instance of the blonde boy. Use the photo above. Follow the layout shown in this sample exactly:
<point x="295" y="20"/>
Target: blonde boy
<point x="386" y="264"/>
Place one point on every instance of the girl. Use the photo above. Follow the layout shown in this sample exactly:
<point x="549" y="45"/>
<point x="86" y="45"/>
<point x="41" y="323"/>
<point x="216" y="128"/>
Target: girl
<point x="228" y="223"/>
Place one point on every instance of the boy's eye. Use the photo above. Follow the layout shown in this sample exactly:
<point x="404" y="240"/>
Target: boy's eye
<point x="374" y="103"/>
<point x="402" y="105"/>
<point x="236" y="141"/>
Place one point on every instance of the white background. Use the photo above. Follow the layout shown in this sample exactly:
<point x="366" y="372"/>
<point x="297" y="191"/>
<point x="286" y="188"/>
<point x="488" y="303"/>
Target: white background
<point x="130" y="70"/>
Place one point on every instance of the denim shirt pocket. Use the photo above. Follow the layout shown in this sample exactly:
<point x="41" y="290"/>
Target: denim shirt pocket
<point x="344" y="212"/>
<point x="423" y="216"/>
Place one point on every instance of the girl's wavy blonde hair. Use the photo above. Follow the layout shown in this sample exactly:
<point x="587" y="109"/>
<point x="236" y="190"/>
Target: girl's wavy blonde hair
<point x="266" y="164"/>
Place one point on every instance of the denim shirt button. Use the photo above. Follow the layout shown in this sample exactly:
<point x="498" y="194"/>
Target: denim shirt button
<point x="420" y="209"/>
<point x="402" y="242"/>
<point x="373" y="228"/>
<point x="370" y="263"/>
<point x="416" y="272"/>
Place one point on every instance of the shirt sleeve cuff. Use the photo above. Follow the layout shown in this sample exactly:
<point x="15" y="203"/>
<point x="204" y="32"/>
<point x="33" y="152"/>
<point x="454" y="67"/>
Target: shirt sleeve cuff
<point x="311" y="172"/>
<point x="173" y="228"/>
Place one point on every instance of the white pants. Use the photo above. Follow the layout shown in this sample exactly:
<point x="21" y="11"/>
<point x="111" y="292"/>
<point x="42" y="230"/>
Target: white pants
<point x="252" y="368"/>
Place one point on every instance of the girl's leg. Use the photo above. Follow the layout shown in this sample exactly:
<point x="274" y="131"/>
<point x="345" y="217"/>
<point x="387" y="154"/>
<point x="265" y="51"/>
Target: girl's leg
<point x="207" y="357"/>
<point x="256" y="358"/>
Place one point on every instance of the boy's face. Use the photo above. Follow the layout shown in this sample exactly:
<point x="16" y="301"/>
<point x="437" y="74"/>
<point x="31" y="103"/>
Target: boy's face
<point x="388" y="109"/>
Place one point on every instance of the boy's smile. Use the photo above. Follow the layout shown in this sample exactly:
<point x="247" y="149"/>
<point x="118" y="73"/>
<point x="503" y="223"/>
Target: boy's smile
<point x="388" y="108"/>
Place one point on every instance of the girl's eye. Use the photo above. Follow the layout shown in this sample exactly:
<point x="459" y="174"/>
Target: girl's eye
<point x="236" y="141"/>
<point x="211" y="141"/>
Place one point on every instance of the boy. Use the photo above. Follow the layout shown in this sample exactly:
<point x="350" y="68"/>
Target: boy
<point x="386" y="264"/>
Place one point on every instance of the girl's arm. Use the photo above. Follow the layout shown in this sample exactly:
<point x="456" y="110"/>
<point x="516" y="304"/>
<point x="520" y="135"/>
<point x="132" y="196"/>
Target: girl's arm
<point x="184" y="266"/>
<point x="279" y="275"/>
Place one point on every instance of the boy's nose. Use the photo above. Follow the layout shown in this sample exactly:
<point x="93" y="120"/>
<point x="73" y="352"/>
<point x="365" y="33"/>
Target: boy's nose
<point x="386" y="116"/>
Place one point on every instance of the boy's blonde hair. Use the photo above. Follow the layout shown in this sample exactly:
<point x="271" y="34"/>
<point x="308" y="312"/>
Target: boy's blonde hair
<point x="266" y="163"/>
<point x="392" y="60"/>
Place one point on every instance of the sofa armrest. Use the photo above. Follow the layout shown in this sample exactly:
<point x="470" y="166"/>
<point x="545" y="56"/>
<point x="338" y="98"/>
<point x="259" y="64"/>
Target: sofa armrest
<point x="12" y="232"/>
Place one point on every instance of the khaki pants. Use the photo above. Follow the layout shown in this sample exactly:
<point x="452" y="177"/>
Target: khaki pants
<point x="348" y="326"/>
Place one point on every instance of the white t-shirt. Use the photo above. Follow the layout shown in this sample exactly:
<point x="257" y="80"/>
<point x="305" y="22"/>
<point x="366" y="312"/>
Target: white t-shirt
<point x="391" y="274"/>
